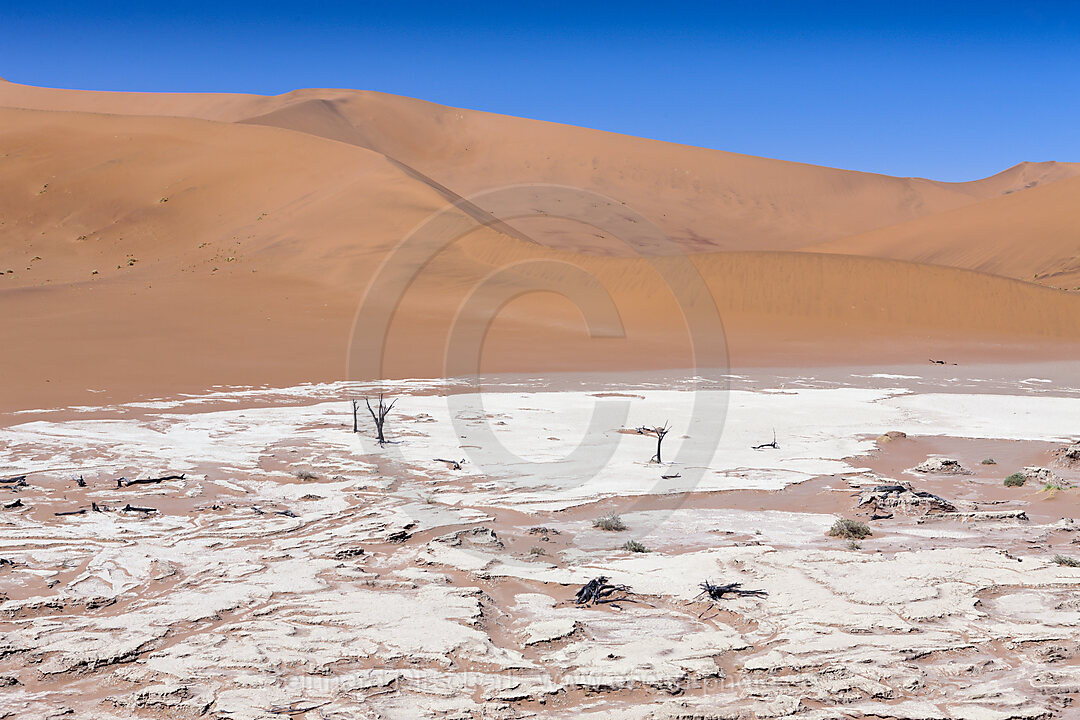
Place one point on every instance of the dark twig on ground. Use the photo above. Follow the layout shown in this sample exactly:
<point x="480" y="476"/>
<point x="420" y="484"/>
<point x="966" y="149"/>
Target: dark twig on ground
<point x="599" y="590"/>
<point x="19" y="480"/>
<point x="772" y="444"/>
<point x="121" y="482"/>
<point x="717" y="592"/>
<point x="452" y="464"/>
<point x="297" y="708"/>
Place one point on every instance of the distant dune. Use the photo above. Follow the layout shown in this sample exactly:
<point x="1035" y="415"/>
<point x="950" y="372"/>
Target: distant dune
<point x="1032" y="235"/>
<point x="164" y="242"/>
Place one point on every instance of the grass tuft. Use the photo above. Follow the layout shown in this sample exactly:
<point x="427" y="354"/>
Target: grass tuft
<point x="850" y="529"/>
<point x="1066" y="561"/>
<point x="610" y="522"/>
<point x="635" y="547"/>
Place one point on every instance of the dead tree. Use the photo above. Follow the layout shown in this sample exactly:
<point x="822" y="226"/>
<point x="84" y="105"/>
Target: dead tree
<point x="379" y="415"/>
<point x="355" y="414"/>
<point x="660" y="432"/>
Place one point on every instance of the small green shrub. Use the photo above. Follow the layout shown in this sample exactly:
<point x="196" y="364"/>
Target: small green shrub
<point x="634" y="546"/>
<point x="1015" y="480"/>
<point x="850" y="529"/>
<point x="610" y="522"/>
<point x="853" y="545"/>
<point x="1066" y="561"/>
<point x="536" y="551"/>
<point x="989" y="461"/>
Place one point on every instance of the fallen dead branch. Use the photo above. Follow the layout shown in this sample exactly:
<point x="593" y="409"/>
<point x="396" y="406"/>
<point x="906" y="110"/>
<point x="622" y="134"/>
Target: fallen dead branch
<point x="14" y="480"/>
<point x="599" y="590"/>
<point x="16" y="503"/>
<point x="81" y="511"/>
<point x="296" y="708"/>
<point x="121" y="482"/>
<point x="452" y="464"/>
<point x="717" y="592"/>
<point x="772" y="444"/>
<point x="134" y="508"/>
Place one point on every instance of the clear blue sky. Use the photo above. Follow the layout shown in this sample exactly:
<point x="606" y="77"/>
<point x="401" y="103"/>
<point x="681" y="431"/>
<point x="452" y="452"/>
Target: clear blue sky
<point x="947" y="90"/>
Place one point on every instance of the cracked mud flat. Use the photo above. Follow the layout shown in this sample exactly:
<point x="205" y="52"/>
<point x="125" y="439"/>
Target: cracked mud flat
<point x="299" y="569"/>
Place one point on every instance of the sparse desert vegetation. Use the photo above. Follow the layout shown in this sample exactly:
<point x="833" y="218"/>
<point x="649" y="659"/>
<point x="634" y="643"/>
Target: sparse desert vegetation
<point x="611" y="522"/>
<point x="1015" y="480"/>
<point x="849" y="529"/>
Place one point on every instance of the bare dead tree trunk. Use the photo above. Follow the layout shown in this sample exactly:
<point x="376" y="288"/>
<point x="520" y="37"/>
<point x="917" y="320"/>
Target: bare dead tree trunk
<point x="355" y="410"/>
<point x="661" y="432"/>
<point x="379" y="415"/>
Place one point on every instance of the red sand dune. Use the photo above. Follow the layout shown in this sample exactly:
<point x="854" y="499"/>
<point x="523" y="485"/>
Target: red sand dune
<point x="164" y="242"/>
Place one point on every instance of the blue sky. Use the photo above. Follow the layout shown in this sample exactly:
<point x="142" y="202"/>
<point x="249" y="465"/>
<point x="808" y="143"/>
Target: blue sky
<point x="947" y="90"/>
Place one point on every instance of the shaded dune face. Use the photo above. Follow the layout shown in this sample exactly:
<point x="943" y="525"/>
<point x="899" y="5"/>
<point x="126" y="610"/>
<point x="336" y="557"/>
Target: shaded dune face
<point x="163" y="242"/>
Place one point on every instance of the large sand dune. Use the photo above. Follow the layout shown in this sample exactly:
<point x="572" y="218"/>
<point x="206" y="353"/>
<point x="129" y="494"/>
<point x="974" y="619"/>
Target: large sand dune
<point x="160" y="242"/>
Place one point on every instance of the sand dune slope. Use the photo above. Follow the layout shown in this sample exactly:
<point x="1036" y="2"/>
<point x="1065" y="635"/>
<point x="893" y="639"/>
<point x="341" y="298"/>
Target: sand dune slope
<point x="1032" y="235"/>
<point x="151" y="255"/>
<point x="706" y="200"/>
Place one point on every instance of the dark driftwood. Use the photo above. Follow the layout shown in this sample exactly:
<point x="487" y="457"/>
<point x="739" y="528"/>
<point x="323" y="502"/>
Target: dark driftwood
<point x="772" y="444"/>
<point x="296" y="708"/>
<point x="15" y="480"/>
<point x="670" y="477"/>
<point x="452" y="464"/>
<point x="133" y="508"/>
<point x="13" y="504"/>
<point x="147" y="481"/>
<point x="717" y="592"/>
<point x="81" y="511"/>
<point x="599" y="590"/>
<point x="399" y="536"/>
<point x="80" y="482"/>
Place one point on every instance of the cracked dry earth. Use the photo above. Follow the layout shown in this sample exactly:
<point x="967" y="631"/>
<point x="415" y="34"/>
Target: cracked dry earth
<point x="299" y="570"/>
